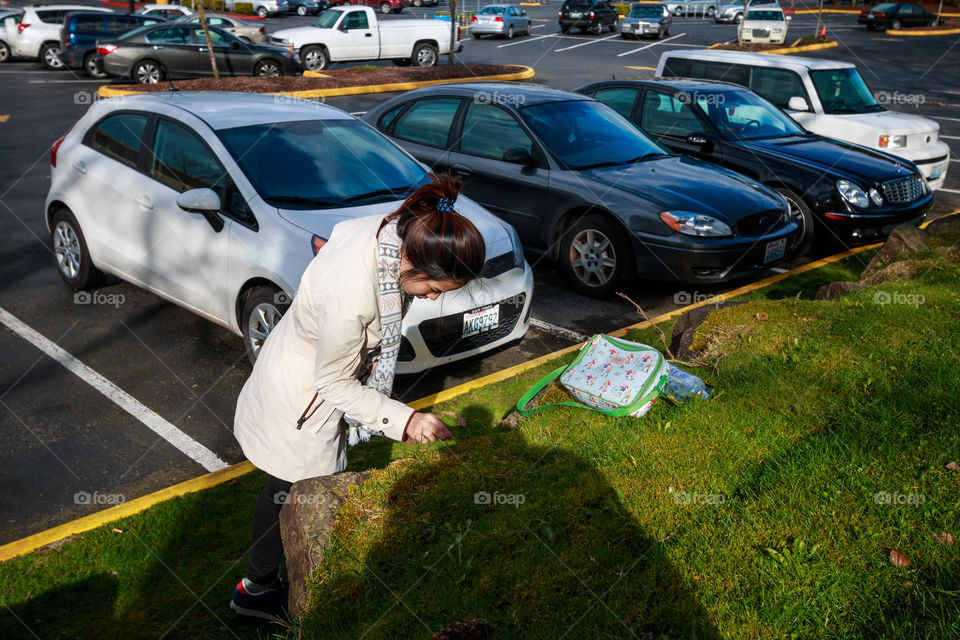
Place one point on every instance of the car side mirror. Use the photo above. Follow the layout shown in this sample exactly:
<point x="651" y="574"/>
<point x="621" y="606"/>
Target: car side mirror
<point x="700" y="139"/>
<point x="205" y="202"/>
<point x="234" y="44"/>
<point x="788" y="18"/>
<point x="797" y="103"/>
<point x="343" y="27"/>
<point x="518" y="155"/>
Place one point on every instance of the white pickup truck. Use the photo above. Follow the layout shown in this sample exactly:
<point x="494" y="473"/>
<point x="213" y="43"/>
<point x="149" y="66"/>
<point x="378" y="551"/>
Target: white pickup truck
<point x="354" y="33"/>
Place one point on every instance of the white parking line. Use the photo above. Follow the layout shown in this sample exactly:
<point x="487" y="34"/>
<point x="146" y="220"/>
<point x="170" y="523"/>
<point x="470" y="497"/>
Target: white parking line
<point x="153" y="421"/>
<point x="949" y="190"/>
<point x="538" y="26"/>
<point x="510" y="44"/>
<point x="944" y="118"/>
<point x="779" y="270"/>
<point x="652" y="44"/>
<point x="558" y="331"/>
<point x="61" y="81"/>
<point x="951" y="137"/>
<point x="583" y="44"/>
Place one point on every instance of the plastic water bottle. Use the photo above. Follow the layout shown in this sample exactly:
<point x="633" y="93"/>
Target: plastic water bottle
<point x="683" y="386"/>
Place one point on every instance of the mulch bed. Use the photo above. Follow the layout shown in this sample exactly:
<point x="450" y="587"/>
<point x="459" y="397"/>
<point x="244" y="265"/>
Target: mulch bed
<point x="348" y="77"/>
<point x="767" y="47"/>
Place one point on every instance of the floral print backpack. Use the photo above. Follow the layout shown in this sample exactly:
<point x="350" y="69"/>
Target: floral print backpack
<point x="613" y="376"/>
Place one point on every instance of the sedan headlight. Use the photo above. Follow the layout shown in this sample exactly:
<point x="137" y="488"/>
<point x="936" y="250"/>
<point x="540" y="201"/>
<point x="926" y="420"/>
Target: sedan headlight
<point x="518" y="258"/>
<point x="853" y="194"/>
<point x="695" y="224"/>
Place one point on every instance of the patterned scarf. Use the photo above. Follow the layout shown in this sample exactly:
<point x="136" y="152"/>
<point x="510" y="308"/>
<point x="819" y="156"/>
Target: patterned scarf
<point x="392" y="304"/>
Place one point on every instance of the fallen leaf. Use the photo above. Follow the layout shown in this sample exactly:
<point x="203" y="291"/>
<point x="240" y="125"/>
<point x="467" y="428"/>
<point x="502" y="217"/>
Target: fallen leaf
<point x="953" y="466"/>
<point x="761" y="316"/>
<point x="943" y="537"/>
<point x="748" y="431"/>
<point x="899" y="559"/>
<point x="115" y="530"/>
<point x="666" y="538"/>
<point x="808" y="319"/>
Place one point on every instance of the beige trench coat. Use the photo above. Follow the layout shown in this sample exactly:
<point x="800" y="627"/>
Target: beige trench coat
<point x="317" y="347"/>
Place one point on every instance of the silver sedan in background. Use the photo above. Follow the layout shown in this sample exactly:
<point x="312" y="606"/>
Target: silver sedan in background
<point x="505" y="20"/>
<point x="241" y="28"/>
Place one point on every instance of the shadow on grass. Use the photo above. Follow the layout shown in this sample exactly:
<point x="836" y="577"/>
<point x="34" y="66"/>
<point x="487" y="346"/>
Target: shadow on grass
<point x="530" y="538"/>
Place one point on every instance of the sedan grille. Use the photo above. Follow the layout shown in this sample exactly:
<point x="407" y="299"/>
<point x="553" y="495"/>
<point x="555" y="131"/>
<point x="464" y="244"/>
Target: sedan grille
<point x="761" y="33"/>
<point x="903" y="190"/>
<point x="443" y="336"/>
<point x="760" y="223"/>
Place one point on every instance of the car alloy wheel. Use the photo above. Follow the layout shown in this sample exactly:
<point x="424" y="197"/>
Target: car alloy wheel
<point x="418" y="3"/>
<point x="896" y="25"/>
<point x="302" y="10"/>
<point x="711" y="11"/>
<point x="70" y="250"/>
<point x="594" y="256"/>
<point x="598" y="28"/>
<point x="262" y="310"/>
<point x="385" y="7"/>
<point x="739" y="18"/>
<point x="50" y="54"/>
<point x="802" y="214"/>
<point x="425" y="55"/>
<point x="510" y="32"/>
<point x="262" y="12"/>
<point x="268" y="69"/>
<point x="4" y="52"/>
<point x="90" y="66"/>
<point x="314" y="58"/>
<point x="147" y="72"/>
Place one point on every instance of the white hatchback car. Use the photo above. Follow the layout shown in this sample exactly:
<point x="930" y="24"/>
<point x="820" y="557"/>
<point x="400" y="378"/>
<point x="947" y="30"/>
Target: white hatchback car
<point x="37" y="34"/>
<point x="217" y="202"/>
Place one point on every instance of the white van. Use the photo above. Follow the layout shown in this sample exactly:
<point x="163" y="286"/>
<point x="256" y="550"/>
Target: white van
<point x="826" y="97"/>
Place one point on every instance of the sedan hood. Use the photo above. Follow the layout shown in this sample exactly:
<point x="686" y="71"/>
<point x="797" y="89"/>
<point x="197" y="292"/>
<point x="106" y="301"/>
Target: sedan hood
<point x="683" y="183"/>
<point x="836" y="157"/>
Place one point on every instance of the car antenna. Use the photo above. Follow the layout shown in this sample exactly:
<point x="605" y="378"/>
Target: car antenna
<point x="172" y="88"/>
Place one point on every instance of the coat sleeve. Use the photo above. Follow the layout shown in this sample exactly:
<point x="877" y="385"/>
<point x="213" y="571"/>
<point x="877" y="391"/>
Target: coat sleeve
<point x="343" y="320"/>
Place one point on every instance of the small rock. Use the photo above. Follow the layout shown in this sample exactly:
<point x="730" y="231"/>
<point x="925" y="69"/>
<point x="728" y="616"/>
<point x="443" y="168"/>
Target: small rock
<point x="762" y="316"/>
<point x="476" y="629"/>
<point x="953" y="466"/>
<point x="899" y="559"/>
<point x="512" y="421"/>
<point x="901" y="270"/>
<point x="904" y="239"/>
<point x="836" y="289"/>
<point x="943" y="537"/>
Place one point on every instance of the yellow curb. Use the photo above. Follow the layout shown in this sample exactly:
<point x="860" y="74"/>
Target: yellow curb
<point x="86" y="523"/>
<point x="910" y="32"/>
<point x="815" y="11"/>
<point x="643" y="68"/>
<point x="530" y="4"/>
<point x="94" y="520"/>
<point x="806" y="47"/>
<point x="314" y="74"/>
<point x="528" y="72"/>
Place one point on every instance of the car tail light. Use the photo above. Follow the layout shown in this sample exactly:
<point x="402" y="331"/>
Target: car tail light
<point x="262" y="30"/>
<point x="593" y="16"/>
<point x="879" y="15"/>
<point x="317" y="242"/>
<point x="53" y="152"/>
<point x="884" y="142"/>
<point x="473" y="19"/>
<point x="106" y="49"/>
<point x="21" y="27"/>
<point x="459" y="30"/>
<point x="498" y="19"/>
<point x="559" y="14"/>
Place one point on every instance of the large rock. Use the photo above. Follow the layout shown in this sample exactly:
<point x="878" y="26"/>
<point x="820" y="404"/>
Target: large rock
<point x="305" y="524"/>
<point x="901" y="270"/>
<point x="836" y="289"/>
<point x="904" y="240"/>
<point x="686" y="326"/>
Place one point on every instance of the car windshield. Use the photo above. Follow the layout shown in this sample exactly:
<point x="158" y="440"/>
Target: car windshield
<point x="496" y="11"/>
<point x="843" y="91"/>
<point x="765" y="15"/>
<point x="321" y="164"/>
<point x="645" y="12"/>
<point x="743" y="115"/>
<point x="883" y="8"/>
<point x="328" y="18"/>
<point x="585" y="134"/>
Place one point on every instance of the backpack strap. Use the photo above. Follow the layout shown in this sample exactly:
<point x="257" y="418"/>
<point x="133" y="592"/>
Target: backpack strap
<point x="539" y="386"/>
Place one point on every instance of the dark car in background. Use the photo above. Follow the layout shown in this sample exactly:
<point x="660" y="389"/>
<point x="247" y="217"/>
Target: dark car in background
<point x="896" y="15"/>
<point x="178" y="50"/>
<point x="581" y="184"/>
<point x="307" y="7"/>
<point x="588" y="15"/>
<point x="82" y="29"/>
<point x="646" y="20"/>
<point x="838" y="190"/>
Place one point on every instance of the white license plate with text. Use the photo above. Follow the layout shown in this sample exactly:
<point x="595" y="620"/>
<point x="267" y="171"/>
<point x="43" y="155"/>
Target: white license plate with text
<point x="481" y="320"/>
<point x="775" y="250"/>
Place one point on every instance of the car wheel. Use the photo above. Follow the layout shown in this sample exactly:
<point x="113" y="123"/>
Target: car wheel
<point x="268" y="69"/>
<point x="314" y="58"/>
<point x="739" y="18"/>
<point x="594" y="256"/>
<point x="711" y="11"/>
<point x="896" y="25"/>
<point x="528" y="30"/>
<point x="4" y="52"/>
<point x="302" y="10"/>
<point x="50" y="56"/>
<point x="615" y="26"/>
<point x="262" y="310"/>
<point x="418" y="3"/>
<point x="564" y="29"/>
<point x="509" y="33"/>
<point x="678" y="12"/>
<point x="597" y="28"/>
<point x="803" y="215"/>
<point x="90" y="66"/>
<point x="425" y="55"/>
<point x="70" y="249"/>
<point x="871" y="27"/>
<point x="147" y="72"/>
<point x="385" y="7"/>
<point x="262" y="12"/>
<point x="666" y="32"/>
<point x="345" y="3"/>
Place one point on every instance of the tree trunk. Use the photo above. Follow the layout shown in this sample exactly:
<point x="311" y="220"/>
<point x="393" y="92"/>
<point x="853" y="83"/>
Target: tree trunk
<point x="453" y="31"/>
<point x="939" y="11"/>
<point x="206" y="35"/>
<point x="819" y="18"/>
<point x="131" y="6"/>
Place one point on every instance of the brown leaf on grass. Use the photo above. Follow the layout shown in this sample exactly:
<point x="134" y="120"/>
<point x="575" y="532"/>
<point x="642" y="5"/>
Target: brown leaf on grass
<point x="808" y="319"/>
<point x="943" y="537"/>
<point x="457" y="418"/>
<point x="953" y="466"/>
<point x="667" y="538"/>
<point x="748" y="431"/>
<point x="899" y="559"/>
<point x="762" y="316"/>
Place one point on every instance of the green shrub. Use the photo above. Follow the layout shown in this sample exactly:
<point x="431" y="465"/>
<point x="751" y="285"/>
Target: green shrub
<point x="243" y="7"/>
<point x="622" y="9"/>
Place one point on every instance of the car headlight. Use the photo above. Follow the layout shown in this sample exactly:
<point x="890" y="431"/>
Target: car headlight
<point x="695" y="224"/>
<point x="892" y="142"/>
<point x="518" y="258"/>
<point x="853" y="194"/>
<point x="778" y="30"/>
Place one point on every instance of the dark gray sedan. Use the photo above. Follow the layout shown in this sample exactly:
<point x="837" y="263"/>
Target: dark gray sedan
<point x="584" y="186"/>
<point x="646" y="20"/>
<point x="179" y="50"/>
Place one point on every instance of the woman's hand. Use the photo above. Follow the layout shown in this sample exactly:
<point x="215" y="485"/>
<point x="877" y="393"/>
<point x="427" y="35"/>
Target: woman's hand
<point x="425" y="427"/>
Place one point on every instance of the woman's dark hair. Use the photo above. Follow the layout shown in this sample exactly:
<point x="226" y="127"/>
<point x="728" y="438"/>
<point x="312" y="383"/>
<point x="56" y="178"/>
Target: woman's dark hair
<point x="438" y="242"/>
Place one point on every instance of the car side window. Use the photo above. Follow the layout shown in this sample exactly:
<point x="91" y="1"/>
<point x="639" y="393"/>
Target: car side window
<point x="735" y="73"/>
<point x="489" y="130"/>
<point x="668" y="115"/>
<point x="119" y="136"/>
<point x="181" y="161"/>
<point x="777" y="85"/>
<point x="216" y="37"/>
<point x="356" y="20"/>
<point x="677" y="68"/>
<point x="428" y="121"/>
<point x="173" y="35"/>
<point x="619" y="98"/>
<point x="89" y="24"/>
<point x="217" y="22"/>
<point x="116" y="26"/>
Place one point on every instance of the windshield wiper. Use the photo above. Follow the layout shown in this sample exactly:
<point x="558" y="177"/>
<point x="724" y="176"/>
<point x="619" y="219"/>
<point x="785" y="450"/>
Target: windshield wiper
<point x="646" y="156"/>
<point x="396" y="193"/>
<point x="300" y="200"/>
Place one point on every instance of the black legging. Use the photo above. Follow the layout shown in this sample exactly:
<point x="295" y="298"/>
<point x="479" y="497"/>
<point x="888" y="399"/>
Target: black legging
<point x="266" y="545"/>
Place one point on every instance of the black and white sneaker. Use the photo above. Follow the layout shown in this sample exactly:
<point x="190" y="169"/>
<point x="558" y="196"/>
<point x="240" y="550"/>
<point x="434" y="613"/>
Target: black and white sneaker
<point x="270" y="605"/>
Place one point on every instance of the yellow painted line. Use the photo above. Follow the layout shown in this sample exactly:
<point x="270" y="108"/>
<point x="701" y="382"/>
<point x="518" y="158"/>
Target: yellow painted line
<point x="4" y="118"/>
<point x="528" y="72"/>
<point x="94" y="520"/>
<point x="804" y="48"/>
<point x="911" y="32"/>
<point x="314" y="74"/>
<point x="814" y="11"/>
<point x="86" y="523"/>
<point x="643" y="68"/>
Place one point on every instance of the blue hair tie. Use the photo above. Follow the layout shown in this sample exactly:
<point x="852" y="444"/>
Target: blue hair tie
<point x="445" y="205"/>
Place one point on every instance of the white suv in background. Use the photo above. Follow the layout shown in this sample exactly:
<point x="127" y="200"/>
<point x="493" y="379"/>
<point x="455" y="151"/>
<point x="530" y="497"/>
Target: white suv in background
<point x="37" y="36"/>
<point x="827" y="97"/>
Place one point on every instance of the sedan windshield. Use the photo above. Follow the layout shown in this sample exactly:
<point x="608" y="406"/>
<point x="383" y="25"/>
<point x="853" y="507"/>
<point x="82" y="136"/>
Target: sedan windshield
<point x="743" y="115"/>
<point x="645" y="12"/>
<point x="328" y="18"/>
<point x="585" y="134"/>
<point x="314" y="164"/>
<point x="843" y="91"/>
<point x="765" y="15"/>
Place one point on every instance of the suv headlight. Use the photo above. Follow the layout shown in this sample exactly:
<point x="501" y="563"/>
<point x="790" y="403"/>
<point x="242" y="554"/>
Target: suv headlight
<point x="695" y="224"/>
<point x="853" y="194"/>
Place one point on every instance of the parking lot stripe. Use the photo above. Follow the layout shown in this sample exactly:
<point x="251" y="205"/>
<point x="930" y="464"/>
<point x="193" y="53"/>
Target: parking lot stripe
<point x="153" y="421"/>
<point x="944" y="118"/>
<point x="583" y="44"/>
<point x="558" y="331"/>
<point x="948" y="190"/>
<point x="652" y="44"/>
<point x="510" y="44"/>
<point x="951" y="137"/>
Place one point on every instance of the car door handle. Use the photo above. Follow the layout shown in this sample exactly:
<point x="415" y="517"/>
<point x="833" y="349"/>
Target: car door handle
<point x="144" y="201"/>
<point x="157" y="47"/>
<point x="202" y="49"/>
<point x="368" y="35"/>
<point x="80" y="167"/>
<point x="463" y="169"/>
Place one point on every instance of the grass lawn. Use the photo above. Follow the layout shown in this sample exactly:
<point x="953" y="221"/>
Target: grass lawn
<point x="769" y="511"/>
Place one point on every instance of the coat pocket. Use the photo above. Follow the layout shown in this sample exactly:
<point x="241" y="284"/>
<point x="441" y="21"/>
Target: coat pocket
<point x="309" y="411"/>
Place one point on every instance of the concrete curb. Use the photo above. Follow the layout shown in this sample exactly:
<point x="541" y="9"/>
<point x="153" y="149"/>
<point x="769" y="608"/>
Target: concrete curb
<point x="528" y="72"/>
<point x="786" y="50"/>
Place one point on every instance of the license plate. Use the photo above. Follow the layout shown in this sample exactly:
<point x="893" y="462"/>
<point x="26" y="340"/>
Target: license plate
<point x="575" y="14"/>
<point x="775" y="250"/>
<point x="480" y="321"/>
<point x="936" y="173"/>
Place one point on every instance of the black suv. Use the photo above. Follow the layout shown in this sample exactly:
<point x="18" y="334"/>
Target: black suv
<point x="588" y="15"/>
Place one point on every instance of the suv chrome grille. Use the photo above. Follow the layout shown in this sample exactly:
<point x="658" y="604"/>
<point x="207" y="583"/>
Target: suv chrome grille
<point x="903" y="190"/>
